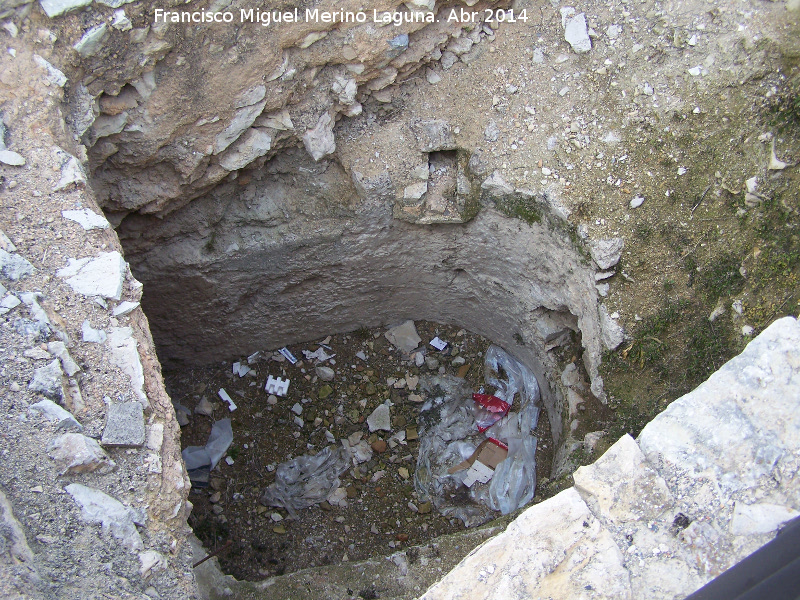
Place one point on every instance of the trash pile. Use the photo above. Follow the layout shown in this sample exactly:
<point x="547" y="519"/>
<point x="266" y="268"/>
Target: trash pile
<point x="475" y="455"/>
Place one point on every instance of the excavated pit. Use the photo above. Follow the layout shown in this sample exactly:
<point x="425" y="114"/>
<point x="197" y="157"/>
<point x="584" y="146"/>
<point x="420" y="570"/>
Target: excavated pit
<point x="289" y="254"/>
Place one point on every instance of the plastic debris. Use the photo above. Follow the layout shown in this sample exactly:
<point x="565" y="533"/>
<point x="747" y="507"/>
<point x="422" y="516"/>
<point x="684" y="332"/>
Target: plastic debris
<point x="201" y="460"/>
<point x="240" y="369"/>
<point x="319" y="354"/>
<point x="438" y="344"/>
<point x="277" y="386"/>
<point x="224" y="395"/>
<point x="288" y="355"/>
<point x="488" y="410"/>
<point x="452" y="447"/>
<point x="306" y="480"/>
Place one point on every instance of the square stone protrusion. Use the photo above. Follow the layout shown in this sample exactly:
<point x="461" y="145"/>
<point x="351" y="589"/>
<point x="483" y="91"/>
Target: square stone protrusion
<point x="125" y="425"/>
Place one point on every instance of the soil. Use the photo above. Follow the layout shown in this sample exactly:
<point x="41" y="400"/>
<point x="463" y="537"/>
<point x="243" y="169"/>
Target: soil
<point x="383" y="513"/>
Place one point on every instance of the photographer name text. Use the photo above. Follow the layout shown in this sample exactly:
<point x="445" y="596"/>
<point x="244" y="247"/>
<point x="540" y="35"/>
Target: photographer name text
<point x="268" y="18"/>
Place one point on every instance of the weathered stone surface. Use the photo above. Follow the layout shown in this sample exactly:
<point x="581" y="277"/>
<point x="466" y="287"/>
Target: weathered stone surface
<point x="433" y="135"/>
<point x="123" y="308"/>
<point x="100" y="276"/>
<point x="89" y="334"/>
<point x="54" y="76"/>
<point x="762" y="517"/>
<point x="125" y="425"/>
<point x="496" y="186"/>
<point x="76" y="453"/>
<point x="13" y="266"/>
<point x="53" y="8"/>
<point x="404" y="337"/>
<point x="606" y="253"/>
<point x="254" y="143"/>
<point x="47" y="381"/>
<point x="72" y="172"/>
<point x="612" y="332"/>
<point x="16" y="550"/>
<point x="735" y="427"/>
<point x="125" y="355"/>
<point x="86" y="218"/>
<point x="242" y="120"/>
<point x="92" y="40"/>
<point x="319" y="141"/>
<point x="59" y="350"/>
<point x="621" y="486"/>
<point x="115" y="517"/>
<point x="555" y="549"/>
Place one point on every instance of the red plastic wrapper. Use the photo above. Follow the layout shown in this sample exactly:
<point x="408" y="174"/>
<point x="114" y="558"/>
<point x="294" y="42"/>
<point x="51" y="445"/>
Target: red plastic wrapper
<point x="488" y="410"/>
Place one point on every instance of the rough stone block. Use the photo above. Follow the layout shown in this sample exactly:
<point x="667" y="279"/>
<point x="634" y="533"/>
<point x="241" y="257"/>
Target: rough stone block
<point x="125" y="425"/>
<point x="555" y="549"/>
<point x="621" y="486"/>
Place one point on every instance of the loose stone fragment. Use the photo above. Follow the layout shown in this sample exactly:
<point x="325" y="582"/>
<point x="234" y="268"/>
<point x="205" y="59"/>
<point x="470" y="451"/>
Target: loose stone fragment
<point x="404" y="337"/>
<point x="47" y="381"/>
<point x="380" y="419"/>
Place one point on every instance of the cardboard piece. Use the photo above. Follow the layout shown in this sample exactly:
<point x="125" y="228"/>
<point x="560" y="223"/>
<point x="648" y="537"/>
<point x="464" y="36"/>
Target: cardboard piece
<point x="489" y="452"/>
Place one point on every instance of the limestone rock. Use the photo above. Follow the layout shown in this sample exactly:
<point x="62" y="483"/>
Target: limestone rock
<point x="47" y="381"/>
<point x="125" y="425"/>
<point x="576" y="34"/>
<point x="54" y="76"/>
<point x="115" y="517"/>
<point x="735" y="427"/>
<point x="100" y="276"/>
<point x="53" y="8"/>
<point x="151" y="561"/>
<point x="89" y="334"/>
<point x="125" y="355"/>
<point x="86" y="218"/>
<point x="92" y="40"/>
<point x="433" y="135"/>
<point x="13" y="159"/>
<point x="495" y="186"/>
<point x="250" y="97"/>
<point x="241" y="121"/>
<point x="404" y="337"/>
<point x="555" y="549"/>
<point x="123" y="308"/>
<point x="750" y="519"/>
<point x="380" y="419"/>
<point x="621" y="486"/>
<point x="254" y="143"/>
<point x="59" y="350"/>
<point x="611" y="331"/>
<point x="72" y="172"/>
<point x="54" y="412"/>
<point x="13" y="266"/>
<point x="606" y="253"/>
<point x="76" y="453"/>
<point x="325" y="373"/>
<point x="319" y="141"/>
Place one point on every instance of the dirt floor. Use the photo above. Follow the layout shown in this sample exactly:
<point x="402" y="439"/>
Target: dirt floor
<point x="381" y="511"/>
